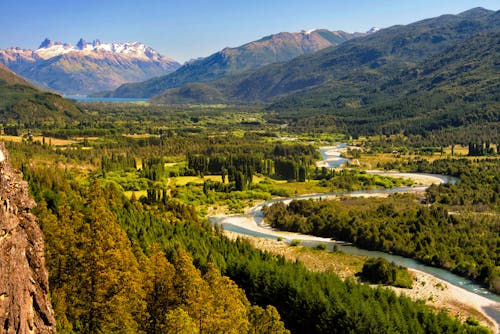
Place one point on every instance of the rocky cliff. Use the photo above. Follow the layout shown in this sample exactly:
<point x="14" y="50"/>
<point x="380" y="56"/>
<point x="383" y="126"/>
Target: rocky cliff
<point x="86" y="67"/>
<point x="24" y="288"/>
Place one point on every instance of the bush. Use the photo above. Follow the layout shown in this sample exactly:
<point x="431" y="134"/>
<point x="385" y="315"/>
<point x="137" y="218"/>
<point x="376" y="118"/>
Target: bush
<point x="320" y="247"/>
<point x="381" y="271"/>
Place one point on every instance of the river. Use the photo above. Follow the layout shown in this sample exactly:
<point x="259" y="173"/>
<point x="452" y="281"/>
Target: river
<point x="252" y="223"/>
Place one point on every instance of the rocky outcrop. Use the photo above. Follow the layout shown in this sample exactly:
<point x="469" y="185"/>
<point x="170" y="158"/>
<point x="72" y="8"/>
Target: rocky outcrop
<point x="24" y="288"/>
<point x="87" y="67"/>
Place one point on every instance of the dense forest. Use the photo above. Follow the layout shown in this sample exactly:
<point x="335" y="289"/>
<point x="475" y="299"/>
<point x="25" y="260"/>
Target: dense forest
<point x="123" y="190"/>
<point x="455" y="227"/>
<point x="157" y="267"/>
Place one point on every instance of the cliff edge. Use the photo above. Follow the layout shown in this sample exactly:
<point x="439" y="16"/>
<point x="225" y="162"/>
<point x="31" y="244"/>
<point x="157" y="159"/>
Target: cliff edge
<point x="24" y="303"/>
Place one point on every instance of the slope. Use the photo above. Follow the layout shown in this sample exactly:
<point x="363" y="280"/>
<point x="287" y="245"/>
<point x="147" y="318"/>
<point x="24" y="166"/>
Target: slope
<point x="354" y="67"/>
<point x="457" y="90"/>
<point x="270" y="49"/>
<point x="22" y="102"/>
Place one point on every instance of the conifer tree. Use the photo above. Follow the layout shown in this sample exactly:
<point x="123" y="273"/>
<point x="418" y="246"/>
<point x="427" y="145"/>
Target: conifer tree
<point x="229" y="304"/>
<point x="193" y="291"/>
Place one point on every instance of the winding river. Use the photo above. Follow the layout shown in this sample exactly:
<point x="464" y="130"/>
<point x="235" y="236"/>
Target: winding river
<point x="252" y="223"/>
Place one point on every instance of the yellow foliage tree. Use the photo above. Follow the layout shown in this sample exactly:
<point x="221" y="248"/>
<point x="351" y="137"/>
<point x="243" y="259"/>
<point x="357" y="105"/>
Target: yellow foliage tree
<point x="160" y="292"/>
<point x="109" y="272"/>
<point x="229" y="304"/>
<point x="178" y="321"/>
<point x="266" y="321"/>
<point x="193" y="291"/>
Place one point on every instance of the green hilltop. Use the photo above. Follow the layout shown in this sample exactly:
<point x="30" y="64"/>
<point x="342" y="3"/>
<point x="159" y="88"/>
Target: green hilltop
<point x="23" y="102"/>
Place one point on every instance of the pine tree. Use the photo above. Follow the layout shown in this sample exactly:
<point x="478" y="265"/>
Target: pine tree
<point x="109" y="272"/>
<point x="229" y="304"/>
<point x="160" y="293"/>
<point x="193" y="291"/>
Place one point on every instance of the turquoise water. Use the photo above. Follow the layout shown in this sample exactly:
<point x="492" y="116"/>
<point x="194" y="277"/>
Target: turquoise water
<point x="257" y="215"/>
<point x="399" y="260"/>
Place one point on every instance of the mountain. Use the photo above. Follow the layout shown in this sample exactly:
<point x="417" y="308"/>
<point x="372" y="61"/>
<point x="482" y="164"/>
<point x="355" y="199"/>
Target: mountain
<point x="270" y="49"/>
<point x="24" y="283"/>
<point x="457" y="88"/>
<point x="21" y="101"/>
<point x="86" y="67"/>
<point x="342" y="75"/>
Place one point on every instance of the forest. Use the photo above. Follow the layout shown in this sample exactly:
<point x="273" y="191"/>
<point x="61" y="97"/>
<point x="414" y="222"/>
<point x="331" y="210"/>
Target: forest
<point x="156" y="268"/>
<point x="465" y="242"/>
<point x="132" y="197"/>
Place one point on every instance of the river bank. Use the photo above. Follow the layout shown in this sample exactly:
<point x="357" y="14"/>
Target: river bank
<point x="435" y="292"/>
<point x="433" y="285"/>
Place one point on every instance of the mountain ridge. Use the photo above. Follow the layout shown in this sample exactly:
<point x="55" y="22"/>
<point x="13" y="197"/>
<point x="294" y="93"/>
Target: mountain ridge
<point x="372" y="58"/>
<point x="86" y="67"/>
<point x="270" y="49"/>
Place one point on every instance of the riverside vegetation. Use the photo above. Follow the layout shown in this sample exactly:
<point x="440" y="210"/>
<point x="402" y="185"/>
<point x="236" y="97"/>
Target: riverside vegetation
<point x="123" y="189"/>
<point x="128" y="248"/>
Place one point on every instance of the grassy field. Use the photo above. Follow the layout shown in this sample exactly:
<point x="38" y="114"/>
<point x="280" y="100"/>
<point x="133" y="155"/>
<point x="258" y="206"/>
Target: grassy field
<point x="300" y="188"/>
<point x="139" y="135"/>
<point x="48" y="140"/>
<point x="342" y="264"/>
<point x="54" y="141"/>
<point x="183" y="180"/>
<point x="370" y="161"/>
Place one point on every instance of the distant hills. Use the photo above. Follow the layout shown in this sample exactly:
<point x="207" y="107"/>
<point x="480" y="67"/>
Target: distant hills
<point x="229" y="61"/>
<point x="344" y="76"/>
<point x="458" y="88"/>
<point x="22" y="102"/>
<point x="86" y="67"/>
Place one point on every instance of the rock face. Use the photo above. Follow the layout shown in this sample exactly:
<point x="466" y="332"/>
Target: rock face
<point x="24" y="288"/>
<point x="87" y="67"/>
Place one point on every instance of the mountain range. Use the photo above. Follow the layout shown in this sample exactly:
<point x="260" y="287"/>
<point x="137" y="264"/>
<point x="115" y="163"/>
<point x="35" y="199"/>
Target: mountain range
<point x="343" y="75"/>
<point x="423" y="77"/>
<point x="275" y="48"/>
<point x="86" y="67"/>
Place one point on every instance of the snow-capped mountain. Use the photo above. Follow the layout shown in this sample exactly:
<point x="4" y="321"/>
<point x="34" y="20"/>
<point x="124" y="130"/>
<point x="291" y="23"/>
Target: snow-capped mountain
<point x="86" y="67"/>
<point x="270" y="49"/>
<point x="373" y="30"/>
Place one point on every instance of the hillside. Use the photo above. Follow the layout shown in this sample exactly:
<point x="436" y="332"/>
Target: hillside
<point x="346" y="73"/>
<point x="455" y="88"/>
<point x="86" y="67"/>
<point x="229" y="61"/>
<point x="21" y="101"/>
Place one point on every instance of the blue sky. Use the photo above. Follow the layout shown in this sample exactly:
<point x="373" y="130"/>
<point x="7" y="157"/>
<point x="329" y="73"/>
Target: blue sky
<point x="189" y="29"/>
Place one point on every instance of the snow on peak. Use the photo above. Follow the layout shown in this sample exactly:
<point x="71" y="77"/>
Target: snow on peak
<point x="307" y="32"/>
<point x="46" y="44"/>
<point x="373" y="30"/>
<point x="135" y="50"/>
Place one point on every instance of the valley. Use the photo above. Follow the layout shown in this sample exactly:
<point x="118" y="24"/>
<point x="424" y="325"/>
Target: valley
<point x="310" y="182"/>
<point x="153" y="184"/>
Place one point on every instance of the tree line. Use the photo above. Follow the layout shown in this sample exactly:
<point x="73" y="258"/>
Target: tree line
<point x="122" y="265"/>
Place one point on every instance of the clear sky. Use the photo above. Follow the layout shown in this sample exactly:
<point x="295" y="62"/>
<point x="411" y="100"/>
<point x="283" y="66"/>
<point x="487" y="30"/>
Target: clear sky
<point x="188" y="29"/>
